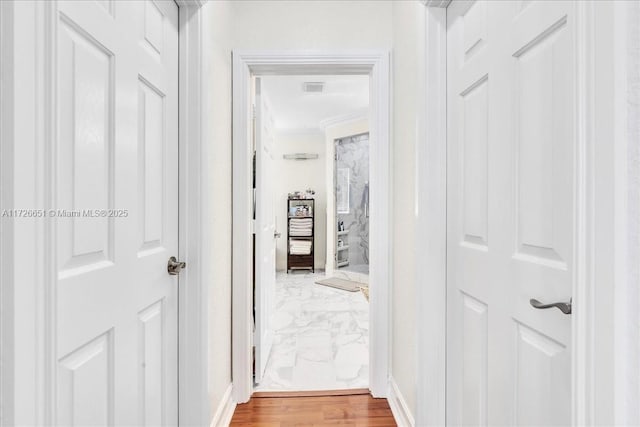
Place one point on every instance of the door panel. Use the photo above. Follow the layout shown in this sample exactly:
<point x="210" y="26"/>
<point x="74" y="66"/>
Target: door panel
<point x="85" y="384"/>
<point x="87" y="149"/>
<point x="474" y="148"/>
<point x="117" y="149"/>
<point x="474" y="361"/>
<point x="510" y="211"/>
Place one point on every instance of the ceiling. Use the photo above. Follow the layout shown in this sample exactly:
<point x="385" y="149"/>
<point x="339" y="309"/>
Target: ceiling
<point x="295" y="110"/>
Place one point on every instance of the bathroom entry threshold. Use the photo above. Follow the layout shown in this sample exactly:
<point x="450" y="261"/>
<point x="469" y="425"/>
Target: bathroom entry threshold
<point x="312" y="393"/>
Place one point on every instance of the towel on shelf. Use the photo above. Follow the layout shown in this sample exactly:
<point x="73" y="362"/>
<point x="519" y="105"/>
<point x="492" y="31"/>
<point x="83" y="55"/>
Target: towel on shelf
<point x="300" y="247"/>
<point x="301" y="221"/>
<point x="300" y="244"/>
<point x="301" y="227"/>
<point x="300" y="252"/>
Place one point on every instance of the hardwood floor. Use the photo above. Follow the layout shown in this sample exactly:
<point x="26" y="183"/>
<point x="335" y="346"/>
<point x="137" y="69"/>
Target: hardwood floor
<point x="355" y="411"/>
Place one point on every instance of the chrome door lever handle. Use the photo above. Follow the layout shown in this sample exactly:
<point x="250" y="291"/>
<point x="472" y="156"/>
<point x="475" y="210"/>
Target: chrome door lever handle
<point x="174" y="266"/>
<point x="564" y="307"/>
<point x="277" y="235"/>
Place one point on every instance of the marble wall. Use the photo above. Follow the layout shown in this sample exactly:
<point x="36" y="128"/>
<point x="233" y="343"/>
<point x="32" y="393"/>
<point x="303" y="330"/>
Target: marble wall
<point x="352" y="153"/>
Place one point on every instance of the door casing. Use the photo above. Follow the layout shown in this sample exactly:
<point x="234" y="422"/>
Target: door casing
<point x="27" y="112"/>
<point x="258" y="63"/>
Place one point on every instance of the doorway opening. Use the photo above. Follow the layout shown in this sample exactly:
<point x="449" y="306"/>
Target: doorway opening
<point x="311" y="327"/>
<point x="247" y="65"/>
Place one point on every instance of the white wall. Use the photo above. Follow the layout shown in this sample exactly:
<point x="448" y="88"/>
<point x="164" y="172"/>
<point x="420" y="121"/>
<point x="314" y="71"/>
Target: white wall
<point x="332" y="133"/>
<point x="298" y="175"/>
<point x="217" y="207"/>
<point x="344" y="24"/>
<point x="627" y="220"/>
<point x="407" y="33"/>
<point x="262" y="25"/>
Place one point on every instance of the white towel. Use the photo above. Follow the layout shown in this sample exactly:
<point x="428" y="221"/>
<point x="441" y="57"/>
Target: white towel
<point x="301" y="243"/>
<point x="301" y="221"/>
<point x="300" y="252"/>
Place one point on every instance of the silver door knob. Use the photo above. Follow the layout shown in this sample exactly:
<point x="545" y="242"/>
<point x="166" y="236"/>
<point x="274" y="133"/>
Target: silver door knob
<point x="174" y="266"/>
<point x="277" y="235"/>
<point x="564" y="307"/>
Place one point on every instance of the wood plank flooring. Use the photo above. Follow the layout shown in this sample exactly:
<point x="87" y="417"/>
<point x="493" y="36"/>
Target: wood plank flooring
<point x="312" y="411"/>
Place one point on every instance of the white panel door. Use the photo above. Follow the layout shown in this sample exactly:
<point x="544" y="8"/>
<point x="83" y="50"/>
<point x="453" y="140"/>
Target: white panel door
<point x="116" y="155"/>
<point x="511" y="155"/>
<point x="265" y="229"/>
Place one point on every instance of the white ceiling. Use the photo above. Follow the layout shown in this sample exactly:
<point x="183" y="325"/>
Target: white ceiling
<point x="295" y="110"/>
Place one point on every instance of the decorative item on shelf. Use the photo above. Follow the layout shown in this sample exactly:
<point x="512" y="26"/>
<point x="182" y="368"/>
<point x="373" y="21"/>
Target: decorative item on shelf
<point x="342" y="247"/>
<point x="299" y="195"/>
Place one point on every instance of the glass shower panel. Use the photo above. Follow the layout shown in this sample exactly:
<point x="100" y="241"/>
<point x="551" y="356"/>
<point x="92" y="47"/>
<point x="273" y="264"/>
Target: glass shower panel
<point x="352" y="203"/>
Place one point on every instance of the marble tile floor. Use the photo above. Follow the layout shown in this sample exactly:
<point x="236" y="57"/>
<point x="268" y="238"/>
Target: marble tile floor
<point x="356" y="268"/>
<point x="321" y="337"/>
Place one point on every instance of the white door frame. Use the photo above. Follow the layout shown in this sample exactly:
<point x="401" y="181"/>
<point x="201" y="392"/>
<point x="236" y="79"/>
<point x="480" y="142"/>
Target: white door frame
<point x="193" y="331"/>
<point x="27" y="275"/>
<point x="6" y="239"/>
<point x="376" y="64"/>
<point x="594" y="276"/>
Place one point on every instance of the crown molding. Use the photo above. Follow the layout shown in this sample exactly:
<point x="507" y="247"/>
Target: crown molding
<point x="344" y="118"/>
<point x="436" y="3"/>
<point x="299" y="131"/>
<point x="193" y="4"/>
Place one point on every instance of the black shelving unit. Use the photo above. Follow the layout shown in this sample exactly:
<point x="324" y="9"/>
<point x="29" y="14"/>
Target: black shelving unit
<point x="300" y="234"/>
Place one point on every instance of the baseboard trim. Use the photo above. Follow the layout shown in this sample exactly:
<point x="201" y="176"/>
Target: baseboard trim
<point x="225" y="410"/>
<point x="398" y="406"/>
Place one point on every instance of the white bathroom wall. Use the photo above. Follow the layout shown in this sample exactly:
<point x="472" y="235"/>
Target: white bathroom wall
<point x="298" y="175"/>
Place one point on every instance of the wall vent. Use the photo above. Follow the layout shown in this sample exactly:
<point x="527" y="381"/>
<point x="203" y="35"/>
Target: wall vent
<point x="313" y="87"/>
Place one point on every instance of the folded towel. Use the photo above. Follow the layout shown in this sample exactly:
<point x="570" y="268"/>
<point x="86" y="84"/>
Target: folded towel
<point x="301" y="243"/>
<point x="301" y="221"/>
<point x="300" y="247"/>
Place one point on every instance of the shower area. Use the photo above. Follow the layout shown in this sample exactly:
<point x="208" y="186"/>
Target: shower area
<point x="352" y="203"/>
